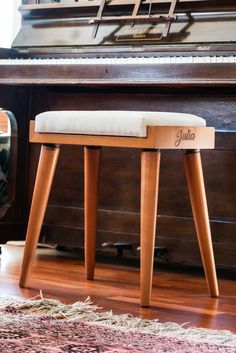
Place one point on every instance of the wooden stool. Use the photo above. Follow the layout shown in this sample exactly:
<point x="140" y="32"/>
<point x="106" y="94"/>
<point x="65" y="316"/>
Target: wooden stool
<point x="149" y="131"/>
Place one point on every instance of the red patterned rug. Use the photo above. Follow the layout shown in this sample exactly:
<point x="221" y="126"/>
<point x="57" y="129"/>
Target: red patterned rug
<point x="44" y="325"/>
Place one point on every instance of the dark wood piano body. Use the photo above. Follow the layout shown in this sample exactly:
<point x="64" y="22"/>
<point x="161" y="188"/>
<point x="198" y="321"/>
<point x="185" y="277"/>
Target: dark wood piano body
<point x="208" y="90"/>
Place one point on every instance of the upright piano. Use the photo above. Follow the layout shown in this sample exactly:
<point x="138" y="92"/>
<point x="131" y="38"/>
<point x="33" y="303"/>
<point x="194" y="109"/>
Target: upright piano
<point x="165" y="55"/>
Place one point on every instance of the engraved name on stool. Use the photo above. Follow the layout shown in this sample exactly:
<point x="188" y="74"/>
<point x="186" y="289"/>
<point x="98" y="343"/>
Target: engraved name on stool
<point x="184" y="136"/>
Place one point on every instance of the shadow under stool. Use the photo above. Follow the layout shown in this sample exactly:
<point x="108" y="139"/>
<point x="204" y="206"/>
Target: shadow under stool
<point x="148" y="131"/>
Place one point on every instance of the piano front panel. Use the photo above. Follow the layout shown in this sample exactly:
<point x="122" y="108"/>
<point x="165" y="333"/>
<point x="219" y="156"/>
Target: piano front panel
<point x="48" y="25"/>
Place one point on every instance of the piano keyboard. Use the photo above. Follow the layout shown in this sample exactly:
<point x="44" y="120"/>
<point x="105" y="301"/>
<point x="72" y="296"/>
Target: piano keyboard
<point x="211" y="59"/>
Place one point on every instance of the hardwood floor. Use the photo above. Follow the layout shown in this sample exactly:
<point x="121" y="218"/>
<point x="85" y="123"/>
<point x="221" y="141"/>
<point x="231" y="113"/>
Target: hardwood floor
<point x="177" y="297"/>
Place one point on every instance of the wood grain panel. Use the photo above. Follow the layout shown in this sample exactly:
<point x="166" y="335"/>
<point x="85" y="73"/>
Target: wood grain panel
<point x="176" y="297"/>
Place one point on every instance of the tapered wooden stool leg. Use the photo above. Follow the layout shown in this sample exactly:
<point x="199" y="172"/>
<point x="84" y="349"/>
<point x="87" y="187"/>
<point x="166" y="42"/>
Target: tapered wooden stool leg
<point x="150" y="167"/>
<point x="46" y="168"/>
<point x="193" y="168"/>
<point x="91" y="187"/>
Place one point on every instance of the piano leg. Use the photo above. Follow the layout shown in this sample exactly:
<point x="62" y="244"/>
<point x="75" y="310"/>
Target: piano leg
<point x="194" y="174"/>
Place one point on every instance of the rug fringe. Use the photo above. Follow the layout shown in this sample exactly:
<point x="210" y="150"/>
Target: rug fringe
<point x="87" y="312"/>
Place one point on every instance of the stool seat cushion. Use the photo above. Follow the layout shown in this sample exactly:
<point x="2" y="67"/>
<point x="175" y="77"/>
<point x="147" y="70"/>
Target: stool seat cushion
<point x="110" y="123"/>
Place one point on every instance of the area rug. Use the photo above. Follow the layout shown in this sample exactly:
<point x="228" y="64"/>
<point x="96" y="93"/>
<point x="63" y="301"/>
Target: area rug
<point x="44" y="325"/>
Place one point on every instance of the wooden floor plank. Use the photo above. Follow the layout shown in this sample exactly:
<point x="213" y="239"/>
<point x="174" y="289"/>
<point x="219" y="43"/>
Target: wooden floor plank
<point x="176" y="297"/>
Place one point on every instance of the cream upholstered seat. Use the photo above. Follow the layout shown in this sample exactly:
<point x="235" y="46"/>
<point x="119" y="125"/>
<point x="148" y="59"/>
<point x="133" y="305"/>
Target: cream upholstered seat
<point x="149" y="131"/>
<point x="113" y="123"/>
